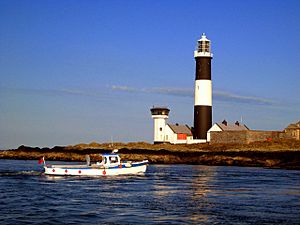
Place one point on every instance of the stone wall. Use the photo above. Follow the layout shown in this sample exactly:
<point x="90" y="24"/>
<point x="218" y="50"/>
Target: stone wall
<point x="255" y="135"/>
<point x="292" y="134"/>
<point x="244" y="137"/>
<point x="228" y="137"/>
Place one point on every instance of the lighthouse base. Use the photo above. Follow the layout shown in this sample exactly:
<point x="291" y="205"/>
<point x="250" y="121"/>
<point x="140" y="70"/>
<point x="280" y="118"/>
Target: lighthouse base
<point x="196" y="141"/>
<point x="160" y="142"/>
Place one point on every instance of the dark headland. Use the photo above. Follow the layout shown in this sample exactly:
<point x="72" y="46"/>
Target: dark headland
<point x="271" y="154"/>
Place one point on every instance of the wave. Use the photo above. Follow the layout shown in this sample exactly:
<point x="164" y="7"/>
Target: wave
<point x="6" y="173"/>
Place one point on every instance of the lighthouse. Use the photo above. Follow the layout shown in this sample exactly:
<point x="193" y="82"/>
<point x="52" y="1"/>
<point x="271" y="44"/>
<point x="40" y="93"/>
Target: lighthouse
<point x="160" y="116"/>
<point x="203" y="89"/>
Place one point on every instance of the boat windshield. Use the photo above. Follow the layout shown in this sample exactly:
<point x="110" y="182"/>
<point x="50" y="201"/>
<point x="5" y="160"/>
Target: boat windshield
<point x="110" y="159"/>
<point x="104" y="160"/>
<point x="113" y="159"/>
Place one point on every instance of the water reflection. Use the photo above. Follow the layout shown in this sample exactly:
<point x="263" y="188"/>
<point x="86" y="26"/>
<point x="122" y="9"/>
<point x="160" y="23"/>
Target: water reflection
<point x="201" y="184"/>
<point x="202" y="179"/>
<point x="182" y="192"/>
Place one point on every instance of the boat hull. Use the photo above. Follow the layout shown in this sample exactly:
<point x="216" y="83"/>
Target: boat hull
<point x="80" y="170"/>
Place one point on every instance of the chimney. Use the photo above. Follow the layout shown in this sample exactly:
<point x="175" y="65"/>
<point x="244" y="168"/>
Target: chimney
<point x="237" y="123"/>
<point x="224" y="122"/>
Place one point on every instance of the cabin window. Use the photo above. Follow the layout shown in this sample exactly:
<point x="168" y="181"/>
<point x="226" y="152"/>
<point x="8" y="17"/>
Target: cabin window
<point x="113" y="159"/>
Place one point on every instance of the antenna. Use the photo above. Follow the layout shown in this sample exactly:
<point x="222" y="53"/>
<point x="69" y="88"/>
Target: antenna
<point x="111" y="142"/>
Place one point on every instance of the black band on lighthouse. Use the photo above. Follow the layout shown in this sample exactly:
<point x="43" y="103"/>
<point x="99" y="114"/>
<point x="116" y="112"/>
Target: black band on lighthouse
<point x="202" y="121"/>
<point x="203" y="68"/>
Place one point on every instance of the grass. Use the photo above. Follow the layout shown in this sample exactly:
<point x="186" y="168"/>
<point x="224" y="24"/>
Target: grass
<point x="255" y="146"/>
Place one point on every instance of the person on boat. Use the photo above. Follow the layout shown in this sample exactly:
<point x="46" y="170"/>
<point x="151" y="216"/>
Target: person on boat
<point x="88" y="160"/>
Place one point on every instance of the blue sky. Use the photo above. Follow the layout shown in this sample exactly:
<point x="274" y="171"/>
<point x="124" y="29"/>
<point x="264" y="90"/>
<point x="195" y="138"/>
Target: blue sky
<point x="83" y="71"/>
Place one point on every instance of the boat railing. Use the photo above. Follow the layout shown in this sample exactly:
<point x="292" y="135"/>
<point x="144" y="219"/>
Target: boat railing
<point x="67" y="166"/>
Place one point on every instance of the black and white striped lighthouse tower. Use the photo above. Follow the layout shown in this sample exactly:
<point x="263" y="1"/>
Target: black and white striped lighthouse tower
<point x="203" y="89"/>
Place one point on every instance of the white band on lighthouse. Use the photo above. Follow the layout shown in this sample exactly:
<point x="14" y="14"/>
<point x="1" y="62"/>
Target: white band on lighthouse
<point x="202" y="54"/>
<point x="203" y="92"/>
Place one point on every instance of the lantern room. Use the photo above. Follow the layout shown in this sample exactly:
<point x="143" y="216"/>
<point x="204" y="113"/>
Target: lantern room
<point x="203" y="47"/>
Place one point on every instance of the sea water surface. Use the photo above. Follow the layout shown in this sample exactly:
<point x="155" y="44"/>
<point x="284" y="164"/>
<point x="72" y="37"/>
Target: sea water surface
<point x="166" y="194"/>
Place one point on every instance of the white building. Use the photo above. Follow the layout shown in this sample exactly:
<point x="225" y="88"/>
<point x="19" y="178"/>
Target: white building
<point x="169" y="133"/>
<point x="178" y="134"/>
<point x="182" y="134"/>
<point x="160" y="116"/>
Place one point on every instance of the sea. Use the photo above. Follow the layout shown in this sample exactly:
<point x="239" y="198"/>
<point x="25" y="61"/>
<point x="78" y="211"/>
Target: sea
<point x="165" y="194"/>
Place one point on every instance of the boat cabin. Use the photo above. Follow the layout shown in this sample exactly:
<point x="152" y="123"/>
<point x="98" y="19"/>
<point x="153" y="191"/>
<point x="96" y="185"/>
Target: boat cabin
<point x="110" y="160"/>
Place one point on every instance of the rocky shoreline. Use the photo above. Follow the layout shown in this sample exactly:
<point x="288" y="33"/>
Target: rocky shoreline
<point x="264" y="154"/>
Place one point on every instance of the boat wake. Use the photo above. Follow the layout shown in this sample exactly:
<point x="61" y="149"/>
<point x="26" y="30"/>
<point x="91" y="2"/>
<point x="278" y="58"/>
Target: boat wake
<point x="9" y="173"/>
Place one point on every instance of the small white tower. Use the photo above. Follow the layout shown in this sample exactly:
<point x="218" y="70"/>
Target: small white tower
<point x="160" y="116"/>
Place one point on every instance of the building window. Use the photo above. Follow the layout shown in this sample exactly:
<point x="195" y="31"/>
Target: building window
<point x="160" y="129"/>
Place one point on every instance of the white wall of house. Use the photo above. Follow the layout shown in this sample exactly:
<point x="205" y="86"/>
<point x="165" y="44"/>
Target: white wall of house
<point x="169" y="134"/>
<point x="215" y="127"/>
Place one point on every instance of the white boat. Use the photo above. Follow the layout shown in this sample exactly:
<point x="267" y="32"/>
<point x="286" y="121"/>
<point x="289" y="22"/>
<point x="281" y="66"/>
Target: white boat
<point x="111" y="165"/>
